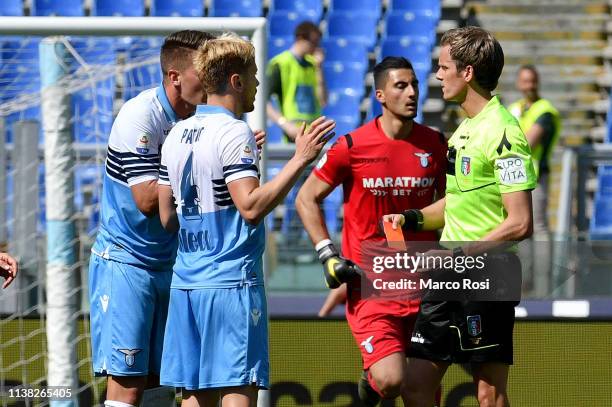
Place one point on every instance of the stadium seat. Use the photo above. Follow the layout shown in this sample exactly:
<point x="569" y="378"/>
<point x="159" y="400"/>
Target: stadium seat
<point x="345" y="50"/>
<point x="372" y="7"/>
<point x="274" y="133"/>
<point x="601" y="220"/>
<point x="235" y="8"/>
<point x="342" y="104"/>
<point x="127" y="8"/>
<point x="177" y="8"/>
<point x="67" y="8"/>
<point x="143" y="51"/>
<point x="344" y="78"/>
<point x="92" y="107"/>
<point x="432" y="6"/>
<point x="359" y="27"/>
<point x="604" y="178"/>
<point x="283" y="23"/>
<point x="417" y="52"/>
<point x="11" y="8"/>
<point x="411" y="24"/>
<point x="276" y="45"/>
<point x="19" y="77"/>
<point x="311" y="9"/>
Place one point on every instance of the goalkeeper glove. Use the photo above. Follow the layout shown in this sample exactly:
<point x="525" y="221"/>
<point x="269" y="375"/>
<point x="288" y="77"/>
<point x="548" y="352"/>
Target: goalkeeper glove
<point x="336" y="269"/>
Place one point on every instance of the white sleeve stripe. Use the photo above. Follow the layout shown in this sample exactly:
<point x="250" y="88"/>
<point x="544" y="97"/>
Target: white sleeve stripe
<point x="240" y="174"/>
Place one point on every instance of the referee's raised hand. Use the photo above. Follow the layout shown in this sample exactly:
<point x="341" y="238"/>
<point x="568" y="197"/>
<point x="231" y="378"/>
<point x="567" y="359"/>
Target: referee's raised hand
<point x="310" y="141"/>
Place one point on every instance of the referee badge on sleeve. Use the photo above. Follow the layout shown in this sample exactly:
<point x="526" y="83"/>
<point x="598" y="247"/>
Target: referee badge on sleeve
<point x="466" y="166"/>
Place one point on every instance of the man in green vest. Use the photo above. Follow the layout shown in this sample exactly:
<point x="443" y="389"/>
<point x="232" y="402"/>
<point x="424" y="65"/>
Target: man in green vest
<point x="295" y="77"/>
<point x="541" y="123"/>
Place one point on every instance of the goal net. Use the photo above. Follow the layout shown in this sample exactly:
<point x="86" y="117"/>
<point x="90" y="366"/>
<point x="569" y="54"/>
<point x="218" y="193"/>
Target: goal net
<point x="62" y="81"/>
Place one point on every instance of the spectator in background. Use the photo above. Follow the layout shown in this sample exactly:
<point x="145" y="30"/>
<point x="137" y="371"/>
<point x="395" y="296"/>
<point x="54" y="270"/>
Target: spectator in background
<point x="296" y="79"/>
<point x="541" y="123"/>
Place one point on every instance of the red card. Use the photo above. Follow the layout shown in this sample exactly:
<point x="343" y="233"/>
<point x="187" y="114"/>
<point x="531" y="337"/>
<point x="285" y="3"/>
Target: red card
<point x="395" y="237"/>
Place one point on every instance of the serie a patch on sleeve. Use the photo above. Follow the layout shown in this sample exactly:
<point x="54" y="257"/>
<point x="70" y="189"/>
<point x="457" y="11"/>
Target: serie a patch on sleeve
<point x="511" y="170"/>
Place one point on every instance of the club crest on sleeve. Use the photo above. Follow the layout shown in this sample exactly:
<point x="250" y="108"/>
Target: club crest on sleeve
<point x="143" y="143"/>
<point x="466" y="165"/>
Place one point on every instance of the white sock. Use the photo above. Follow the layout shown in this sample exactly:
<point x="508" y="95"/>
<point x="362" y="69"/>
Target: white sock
<point x="112" y="403"/>
<point x="162" y="396"/>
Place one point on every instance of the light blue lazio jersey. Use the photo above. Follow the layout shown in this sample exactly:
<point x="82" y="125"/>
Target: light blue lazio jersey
<point x="217" y="247"/>
<point x="125" y="234"/>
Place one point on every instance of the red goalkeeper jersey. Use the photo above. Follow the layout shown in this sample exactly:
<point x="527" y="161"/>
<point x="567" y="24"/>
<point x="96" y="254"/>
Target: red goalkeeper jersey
<point x="381" y="176"/>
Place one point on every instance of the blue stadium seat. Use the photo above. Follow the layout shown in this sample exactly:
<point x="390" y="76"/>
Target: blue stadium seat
<point x="310" y="9"/>
<point x="177" y="8"/>
<point x="276" y="45"/>
<point x="345" y="50"/>
<point x="344" y="125"/>
<point x="92" y="107"/>
<point x="411" y="24"/>
<point x="604" y="178"/>
<point x="11" y="8"/>
<point x="148" y="75"/>
<point x="235" y="8"/>
<point x="417" y="52"/>
<point x="359" y="27"/>
<point x="342" y="104"/>
<point x="344" y="78"/>
<point x="127" y="8"/>
<point x="601" y="219"/>
<point x="19" y="76"/>
<point x="67" y="8"/>
<point x="283" y="23"/>
<point x="372" y="7"/>
<point x="433" y="6"/>
<point x="274" y="133"/>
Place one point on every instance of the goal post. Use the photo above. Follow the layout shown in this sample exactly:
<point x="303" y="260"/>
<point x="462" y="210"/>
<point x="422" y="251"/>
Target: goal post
<point x="58" y="264"/>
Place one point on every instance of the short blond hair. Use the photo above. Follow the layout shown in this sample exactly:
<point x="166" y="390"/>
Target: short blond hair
<point x="478" y="48"/>
<point x="217" y="59"/>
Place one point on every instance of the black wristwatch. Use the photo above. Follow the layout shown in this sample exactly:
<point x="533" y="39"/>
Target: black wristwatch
<point x="458" y="252"/>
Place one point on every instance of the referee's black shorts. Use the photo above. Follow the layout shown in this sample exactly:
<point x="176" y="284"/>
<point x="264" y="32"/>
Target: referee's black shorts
<point x="465" y="331"/>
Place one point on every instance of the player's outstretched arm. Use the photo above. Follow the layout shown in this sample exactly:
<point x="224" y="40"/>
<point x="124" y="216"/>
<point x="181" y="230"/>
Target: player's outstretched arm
<point x="431" y="217"/>
<point x="145" y="197"/>
<point x="255" y="201"/>
<point x="167" y="209"/>
<point x="8" y="269"/>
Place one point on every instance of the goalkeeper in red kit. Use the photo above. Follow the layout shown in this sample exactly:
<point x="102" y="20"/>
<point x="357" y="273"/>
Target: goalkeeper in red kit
<point x="389" y="164"/>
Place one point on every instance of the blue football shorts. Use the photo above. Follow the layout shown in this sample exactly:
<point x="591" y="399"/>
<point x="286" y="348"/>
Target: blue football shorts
<point x="216" y="337"/>
<point x="129" y="307"/>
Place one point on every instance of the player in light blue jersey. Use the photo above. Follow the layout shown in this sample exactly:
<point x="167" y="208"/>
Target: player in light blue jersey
<point x="131" y="264"/>
<point x="216" y="341"/>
